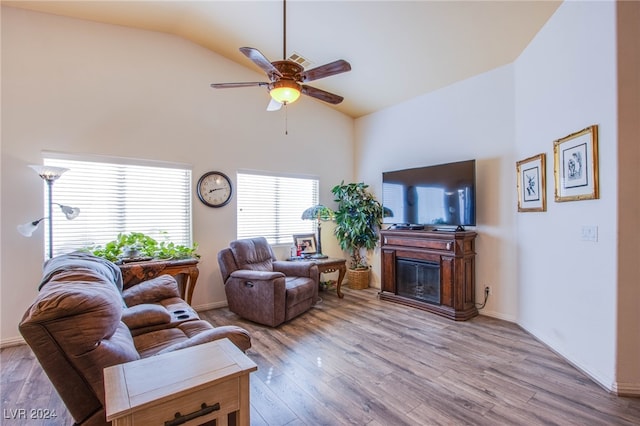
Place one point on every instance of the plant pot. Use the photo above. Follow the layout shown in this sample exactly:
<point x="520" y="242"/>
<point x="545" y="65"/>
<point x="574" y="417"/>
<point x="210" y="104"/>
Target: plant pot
<point x="130" y="252"/>
<point x="358" y="279"/>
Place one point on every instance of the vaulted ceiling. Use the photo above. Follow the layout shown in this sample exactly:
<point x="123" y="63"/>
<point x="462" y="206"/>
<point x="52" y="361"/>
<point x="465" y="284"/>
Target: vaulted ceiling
<point x="397" y="49"/>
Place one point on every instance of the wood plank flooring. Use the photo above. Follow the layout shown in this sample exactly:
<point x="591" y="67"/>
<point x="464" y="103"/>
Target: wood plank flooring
<point x="363" y="361"/>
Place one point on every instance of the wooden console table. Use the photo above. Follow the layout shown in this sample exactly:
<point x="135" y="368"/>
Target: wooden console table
<point x="185" y="270"/>
<point x="198" y="384"/>
<point x="329" y="265"/>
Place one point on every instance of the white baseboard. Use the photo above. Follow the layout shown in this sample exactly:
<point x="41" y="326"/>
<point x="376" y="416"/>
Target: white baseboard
<point x="497" y="315"/>
<point x="207" y="306"/>
<point x="12" y="341"/>
<point x="627" y="389"/>
<point x="614" y="387"/>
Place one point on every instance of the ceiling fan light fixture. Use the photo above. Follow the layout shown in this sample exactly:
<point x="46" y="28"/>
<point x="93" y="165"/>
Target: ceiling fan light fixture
<point x="285" y="91"/>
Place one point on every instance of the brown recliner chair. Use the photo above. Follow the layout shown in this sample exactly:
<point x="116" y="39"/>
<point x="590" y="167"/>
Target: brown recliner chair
<point x="82" y="321"/>
<point x="265" y="290"/>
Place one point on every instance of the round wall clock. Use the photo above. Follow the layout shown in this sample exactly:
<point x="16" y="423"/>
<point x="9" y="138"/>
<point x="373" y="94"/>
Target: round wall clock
<point x="214" y="189"/>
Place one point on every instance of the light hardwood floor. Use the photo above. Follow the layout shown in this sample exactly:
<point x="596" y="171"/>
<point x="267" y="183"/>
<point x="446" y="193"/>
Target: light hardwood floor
<point x="363" y="361"/>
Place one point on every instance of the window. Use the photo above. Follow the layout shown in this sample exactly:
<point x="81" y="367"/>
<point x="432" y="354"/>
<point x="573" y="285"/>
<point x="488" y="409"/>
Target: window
<point x="271" y="206"/>
<point x="117" y="196"/>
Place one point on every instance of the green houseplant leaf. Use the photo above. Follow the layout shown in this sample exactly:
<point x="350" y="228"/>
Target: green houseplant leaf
<point x="144" y="246"/>
<point x="358" y="219"/>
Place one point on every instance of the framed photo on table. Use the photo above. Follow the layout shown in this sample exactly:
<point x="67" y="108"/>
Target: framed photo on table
<point x="531" y="185"/>
<point x="575" y="166"/>
<point x="307" y="242"/>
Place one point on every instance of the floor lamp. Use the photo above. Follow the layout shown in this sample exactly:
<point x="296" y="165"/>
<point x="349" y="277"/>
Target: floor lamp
<point x="49" y="174"/>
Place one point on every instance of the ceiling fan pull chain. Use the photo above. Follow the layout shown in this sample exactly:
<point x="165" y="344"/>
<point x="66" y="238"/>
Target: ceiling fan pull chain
<point x="286" y="119"/>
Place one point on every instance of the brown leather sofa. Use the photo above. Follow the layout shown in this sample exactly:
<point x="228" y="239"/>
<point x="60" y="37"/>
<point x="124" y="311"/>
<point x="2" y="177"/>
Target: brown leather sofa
<point x="83" y="321"/>
<point x="262" y="289"/>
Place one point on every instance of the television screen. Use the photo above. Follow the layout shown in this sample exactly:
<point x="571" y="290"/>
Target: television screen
<point x="438" y="196"/>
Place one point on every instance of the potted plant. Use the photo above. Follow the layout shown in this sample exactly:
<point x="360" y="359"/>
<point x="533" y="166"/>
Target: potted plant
<point x="358" y="219"/>
<point x="141" y="246"/>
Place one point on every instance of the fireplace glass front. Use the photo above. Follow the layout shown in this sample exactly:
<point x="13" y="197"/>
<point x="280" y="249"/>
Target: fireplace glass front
<point x="418" y="280"/>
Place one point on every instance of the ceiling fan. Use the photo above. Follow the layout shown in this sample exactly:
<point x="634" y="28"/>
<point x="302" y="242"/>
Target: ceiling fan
<point x="287" y="78"/>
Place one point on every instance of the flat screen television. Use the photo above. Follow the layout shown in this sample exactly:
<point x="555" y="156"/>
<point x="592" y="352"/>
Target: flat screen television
<point x="442" y="196"/>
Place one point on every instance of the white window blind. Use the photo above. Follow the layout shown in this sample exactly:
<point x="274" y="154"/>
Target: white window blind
<point x="271" y="206"/>
<point x="115" y="197"/>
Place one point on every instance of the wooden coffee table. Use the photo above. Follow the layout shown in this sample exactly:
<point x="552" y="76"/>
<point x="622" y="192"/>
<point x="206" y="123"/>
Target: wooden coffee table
<point x="196" y="385"/>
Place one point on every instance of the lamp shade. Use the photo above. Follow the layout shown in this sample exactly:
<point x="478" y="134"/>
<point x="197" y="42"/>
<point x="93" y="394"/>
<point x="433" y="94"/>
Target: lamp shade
<point x="285" y="91"/>
<point x="27" y="229"/>
<point x="49" y="173"/>
<point x="317" y="212"/>
<point x="70" y="212"/>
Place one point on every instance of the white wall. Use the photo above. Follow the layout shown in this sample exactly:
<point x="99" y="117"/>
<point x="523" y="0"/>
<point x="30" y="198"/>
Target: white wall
<point x="561" y="289"/>
<point x="471" y="119"/>
<point x="566" y="81"/>
<point x="81" y="87"/>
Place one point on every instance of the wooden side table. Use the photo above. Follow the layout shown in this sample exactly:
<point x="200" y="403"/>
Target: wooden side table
<point x="186" y="270"/>
<point x="189" y="386"/>
<point x="329" y="265"/>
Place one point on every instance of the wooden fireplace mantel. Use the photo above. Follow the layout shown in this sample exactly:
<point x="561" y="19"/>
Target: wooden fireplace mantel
<point x="453" y="251"/>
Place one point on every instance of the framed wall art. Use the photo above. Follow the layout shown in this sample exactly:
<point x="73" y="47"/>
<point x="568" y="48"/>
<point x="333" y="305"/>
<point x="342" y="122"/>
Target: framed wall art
<point x="575" y="166"/>
<point x="531" y="185"/>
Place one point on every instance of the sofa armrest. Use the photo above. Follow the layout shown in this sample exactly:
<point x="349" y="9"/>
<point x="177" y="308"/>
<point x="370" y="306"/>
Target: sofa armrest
<point x="145" y="315"/>
<point x="151" y="291"/>
<point x="296" y="269"/>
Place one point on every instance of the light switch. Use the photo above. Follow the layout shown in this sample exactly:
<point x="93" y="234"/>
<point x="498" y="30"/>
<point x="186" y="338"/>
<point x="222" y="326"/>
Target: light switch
<point x="589" y="233"/>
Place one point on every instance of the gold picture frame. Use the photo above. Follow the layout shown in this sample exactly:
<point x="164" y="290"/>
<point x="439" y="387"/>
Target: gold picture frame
<point x="575" y="166"/>
<point x="532" y="184"/>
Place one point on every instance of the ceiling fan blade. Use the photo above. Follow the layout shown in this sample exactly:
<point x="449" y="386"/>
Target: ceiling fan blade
<point x="232" y="85"/>
<point x="260" y="60"/>
<point x="274" y="105"/>
<point x="326" y="70"/>
<point x="322" y="95"/>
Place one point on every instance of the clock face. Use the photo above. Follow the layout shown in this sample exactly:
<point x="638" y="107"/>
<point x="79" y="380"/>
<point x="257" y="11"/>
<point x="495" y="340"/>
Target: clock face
<point x="214" y="189"/>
